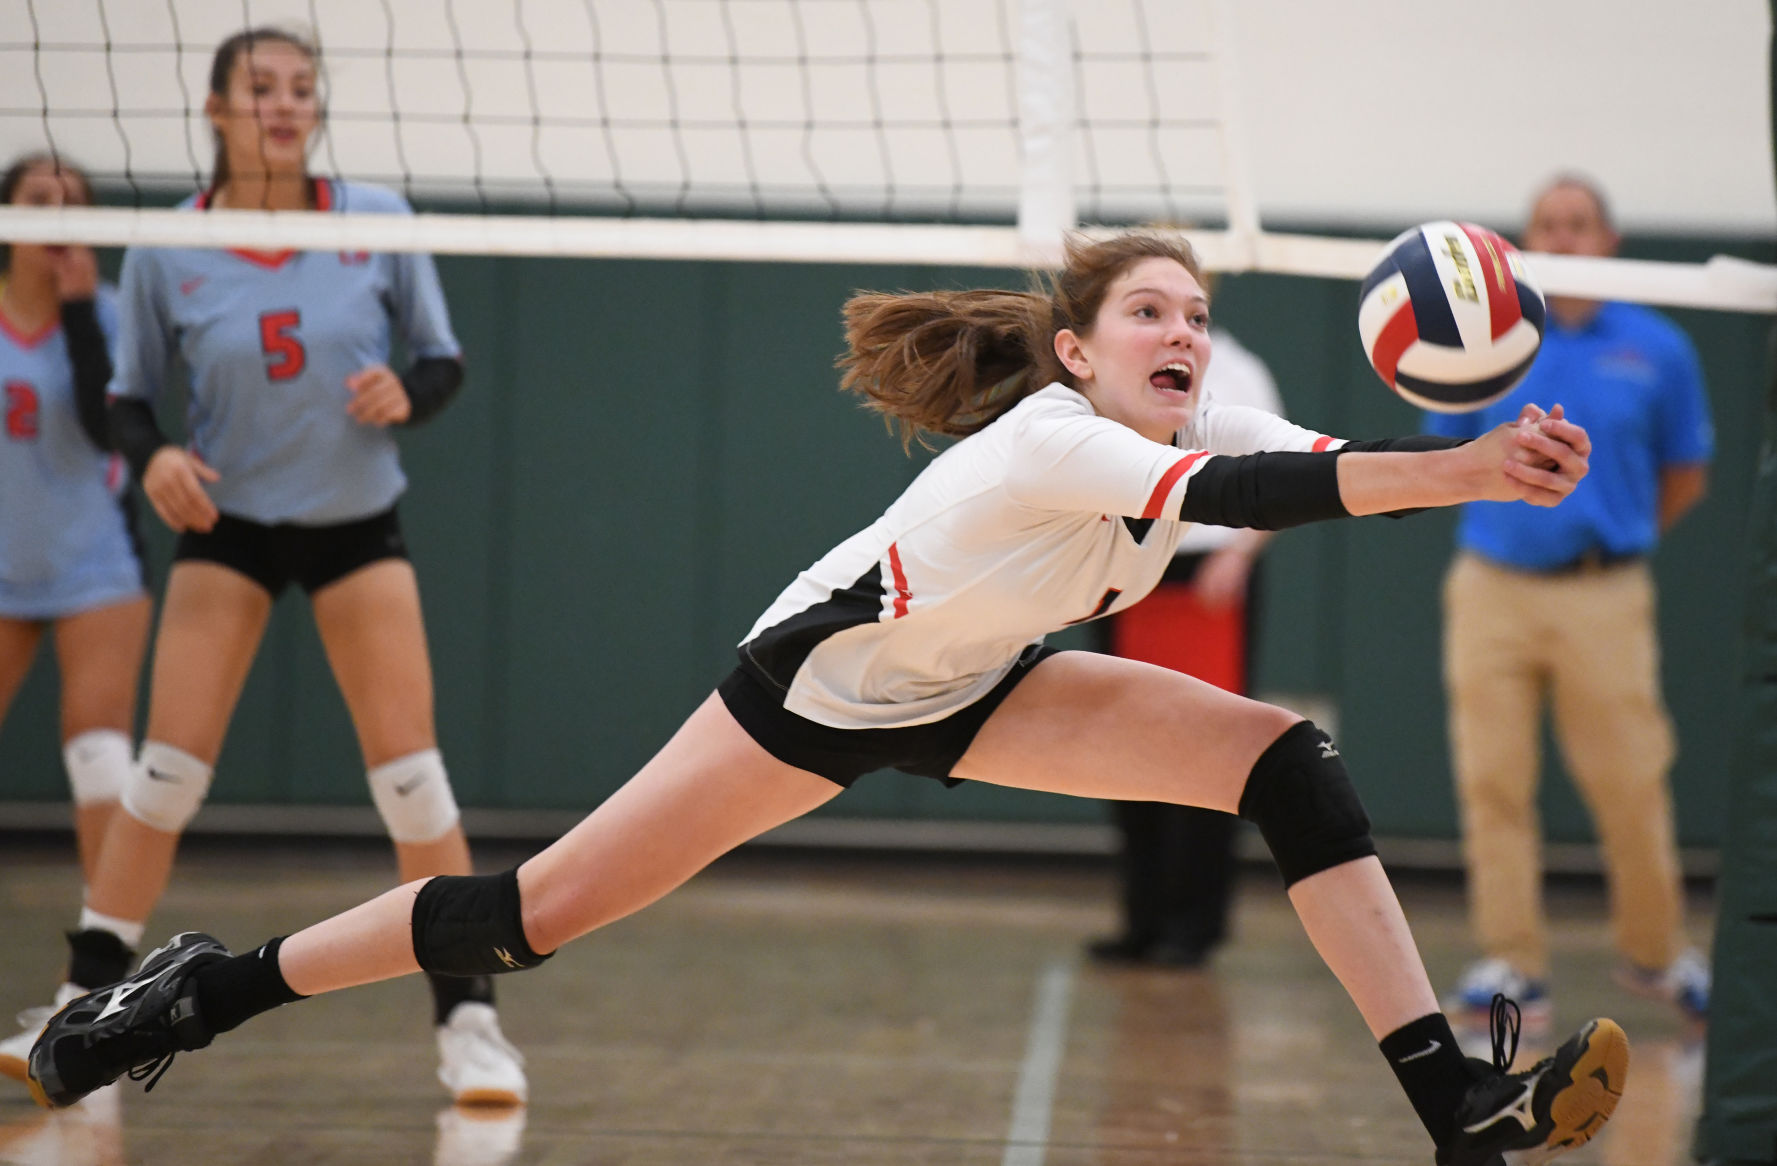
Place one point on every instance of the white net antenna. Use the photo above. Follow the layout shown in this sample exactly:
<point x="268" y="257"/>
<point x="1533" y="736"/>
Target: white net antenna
<point x="908" y="131"/>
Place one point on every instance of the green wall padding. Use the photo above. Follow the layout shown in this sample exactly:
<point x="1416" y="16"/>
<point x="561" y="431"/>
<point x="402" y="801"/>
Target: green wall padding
<point x="647" y="452"/>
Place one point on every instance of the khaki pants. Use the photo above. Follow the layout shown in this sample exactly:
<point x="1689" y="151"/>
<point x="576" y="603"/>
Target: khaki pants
<point x="1586" y="643"/>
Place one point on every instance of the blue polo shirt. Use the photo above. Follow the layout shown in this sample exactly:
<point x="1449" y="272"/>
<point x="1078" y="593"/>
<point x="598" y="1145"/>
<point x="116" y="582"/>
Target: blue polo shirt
<point x="1631" y="377"/>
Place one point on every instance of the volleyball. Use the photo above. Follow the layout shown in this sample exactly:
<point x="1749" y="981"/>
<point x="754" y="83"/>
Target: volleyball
<point x="1449" y="317"/>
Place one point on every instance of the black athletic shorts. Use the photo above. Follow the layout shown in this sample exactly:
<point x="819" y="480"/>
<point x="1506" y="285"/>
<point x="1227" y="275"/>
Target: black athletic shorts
<point x="309" y="556"/>
<point x="844" y="755"/>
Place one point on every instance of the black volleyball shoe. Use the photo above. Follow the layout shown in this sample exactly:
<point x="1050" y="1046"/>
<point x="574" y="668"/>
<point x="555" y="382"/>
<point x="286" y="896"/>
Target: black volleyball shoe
<point x="1528" y="1117"/>
<point x="134" y="1026"/>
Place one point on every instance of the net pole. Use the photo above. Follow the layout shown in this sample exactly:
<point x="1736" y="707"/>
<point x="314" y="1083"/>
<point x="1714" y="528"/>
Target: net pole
<point x="1243" y="208"/>
<point x="1046" y="122"/>
<point x="1738" y="1122"/>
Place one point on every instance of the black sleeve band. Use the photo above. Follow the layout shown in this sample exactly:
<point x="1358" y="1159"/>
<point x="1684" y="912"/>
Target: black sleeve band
<point x="135" y="433"/>
<point x="430" y="385"/>
<point x="91" y="359"/>
<point x="1413" y="443"/>
<point x="1265" y="491"/>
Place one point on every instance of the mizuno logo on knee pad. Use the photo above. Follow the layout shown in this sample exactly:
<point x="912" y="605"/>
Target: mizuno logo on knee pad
<point x="1302" y="801"/>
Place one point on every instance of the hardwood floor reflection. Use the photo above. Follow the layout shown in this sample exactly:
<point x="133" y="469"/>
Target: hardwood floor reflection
<point x="799" y="1011"/>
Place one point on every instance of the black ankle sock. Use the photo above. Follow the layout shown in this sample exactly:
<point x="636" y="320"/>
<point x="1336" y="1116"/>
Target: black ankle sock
<point x="232" y="991"/>
<point x="1432" y="1069"/>
<point x="97" y="958"/>
<point x="450" y="991"/>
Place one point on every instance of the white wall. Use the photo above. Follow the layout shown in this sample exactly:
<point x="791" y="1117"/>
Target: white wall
<point x="1377" y="112"/>
<point x="1411" y="109"/>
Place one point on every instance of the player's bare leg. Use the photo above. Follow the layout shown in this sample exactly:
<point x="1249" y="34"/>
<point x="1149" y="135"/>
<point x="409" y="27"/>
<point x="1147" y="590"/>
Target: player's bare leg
<point x="1102" y="727"/>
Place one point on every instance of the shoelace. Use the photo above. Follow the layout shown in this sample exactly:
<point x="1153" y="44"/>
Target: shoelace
<point x="1506" y="1021"/>
<point x="158" y="1067"/>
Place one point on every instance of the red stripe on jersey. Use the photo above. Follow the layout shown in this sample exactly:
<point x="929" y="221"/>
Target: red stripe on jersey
<point x="1157" y="500"/>
<point x="1397" y="335"/>
<point x="29" y="339"/>
<point x="902" y="595"/>
<point x="275" y="259"/>
<point x="1321" y="443"/>
<point x="1502" y="290"/>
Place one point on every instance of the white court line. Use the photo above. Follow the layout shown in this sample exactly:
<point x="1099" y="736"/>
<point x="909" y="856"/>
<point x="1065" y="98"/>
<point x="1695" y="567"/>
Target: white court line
<point x="1027" y="1139"/>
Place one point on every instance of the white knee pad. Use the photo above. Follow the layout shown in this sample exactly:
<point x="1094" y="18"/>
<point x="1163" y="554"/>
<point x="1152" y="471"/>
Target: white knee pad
<point x="413" y="795"/>
<point x="98" y="764"/>
<point x="166" y="787"/>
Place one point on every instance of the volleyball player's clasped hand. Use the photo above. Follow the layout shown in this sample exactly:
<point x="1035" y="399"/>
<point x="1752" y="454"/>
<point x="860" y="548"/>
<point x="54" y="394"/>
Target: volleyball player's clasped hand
<point x="77" y="273"/>
<point x="174" y="483"/>
<point x="1541" y="457"/>
<point x="377" y="397"/>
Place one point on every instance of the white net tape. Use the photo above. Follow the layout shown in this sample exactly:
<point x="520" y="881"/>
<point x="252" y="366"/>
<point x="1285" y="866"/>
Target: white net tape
<point x="902" y="131"/>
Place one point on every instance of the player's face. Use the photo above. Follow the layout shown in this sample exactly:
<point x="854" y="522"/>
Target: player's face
<point x="1143" y="360"/>
<point x="1567" y="221"/>
<point x="270" y="111"/>
<point x="43" y="185"/>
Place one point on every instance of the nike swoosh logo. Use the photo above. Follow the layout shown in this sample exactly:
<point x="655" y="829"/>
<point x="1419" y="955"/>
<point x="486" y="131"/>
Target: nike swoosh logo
<point x="157" y="775"/>
<point x="406" y="787"/>
<point x="1427" y="1051"/>
<point x="186" y="287"/>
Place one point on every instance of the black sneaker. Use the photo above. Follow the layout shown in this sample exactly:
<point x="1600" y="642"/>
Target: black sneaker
<point x="1529" y="1117"/>
<point x="134" y="1026"/>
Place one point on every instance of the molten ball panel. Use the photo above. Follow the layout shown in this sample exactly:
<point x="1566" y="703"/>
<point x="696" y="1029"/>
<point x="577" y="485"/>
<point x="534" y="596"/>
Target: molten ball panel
<point x="1449" y="318"/>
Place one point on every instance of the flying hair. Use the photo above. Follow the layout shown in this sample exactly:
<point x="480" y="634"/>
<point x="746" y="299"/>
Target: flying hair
<point x="948" y="363"/>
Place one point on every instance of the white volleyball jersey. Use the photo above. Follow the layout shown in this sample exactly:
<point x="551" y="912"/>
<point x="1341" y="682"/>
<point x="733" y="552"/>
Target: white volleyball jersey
<point x="1050" y="516"/>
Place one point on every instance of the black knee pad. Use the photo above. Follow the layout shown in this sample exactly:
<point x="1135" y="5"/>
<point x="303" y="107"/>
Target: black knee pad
<point x="1302" y="801"/>
<point x="470" y="925"/>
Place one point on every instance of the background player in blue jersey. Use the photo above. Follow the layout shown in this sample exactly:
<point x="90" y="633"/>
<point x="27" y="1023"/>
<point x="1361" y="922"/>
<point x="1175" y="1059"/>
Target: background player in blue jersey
<point x="68" y="553"/>
<point x="291" y="476"/>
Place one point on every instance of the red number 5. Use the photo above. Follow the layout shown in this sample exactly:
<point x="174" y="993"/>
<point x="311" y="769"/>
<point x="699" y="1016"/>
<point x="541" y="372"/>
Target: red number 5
<point x="21" y="411"/>
<point x="284" y="355"/>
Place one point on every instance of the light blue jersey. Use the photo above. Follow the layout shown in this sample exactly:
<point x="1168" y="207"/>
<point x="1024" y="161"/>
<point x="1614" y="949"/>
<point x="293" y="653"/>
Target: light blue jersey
<point x="65" y="539"/>
<point x="269" y="340"/>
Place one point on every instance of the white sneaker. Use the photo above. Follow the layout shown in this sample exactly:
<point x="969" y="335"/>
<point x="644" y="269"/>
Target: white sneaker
<point x="15" y="1050"/>
<point x="1685" y="984"/>
<point x="476" y="1062"/>
<point x="88" y="1133"/>
<point x="478" y="1136"/>
<point x="1471" y="1002"/>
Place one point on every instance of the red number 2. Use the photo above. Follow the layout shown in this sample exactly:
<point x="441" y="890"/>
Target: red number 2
<point x="284" y="354"/>
<point x="21" y="411"/>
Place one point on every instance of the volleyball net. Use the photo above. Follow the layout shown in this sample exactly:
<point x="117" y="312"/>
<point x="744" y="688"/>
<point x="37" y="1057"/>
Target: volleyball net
<point x="951" y="132"/>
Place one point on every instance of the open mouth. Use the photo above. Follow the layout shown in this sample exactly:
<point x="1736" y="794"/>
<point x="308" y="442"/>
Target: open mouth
<point x="1175" y="377"/>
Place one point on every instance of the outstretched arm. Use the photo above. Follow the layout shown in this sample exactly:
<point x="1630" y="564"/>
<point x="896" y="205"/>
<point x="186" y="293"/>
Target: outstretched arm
<point x="1537" y="459"/>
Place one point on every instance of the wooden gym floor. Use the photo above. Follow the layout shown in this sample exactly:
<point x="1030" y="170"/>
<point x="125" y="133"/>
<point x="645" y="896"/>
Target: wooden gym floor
<point x="806" y="1010"/>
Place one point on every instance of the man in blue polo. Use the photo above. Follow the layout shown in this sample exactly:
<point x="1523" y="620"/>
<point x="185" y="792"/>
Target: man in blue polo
<point x="1557" y="606"/>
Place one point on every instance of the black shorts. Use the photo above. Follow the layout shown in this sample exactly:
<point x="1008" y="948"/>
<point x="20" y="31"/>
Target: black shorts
<point x="309" y="556"/>
<point x="844" y="755"/>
